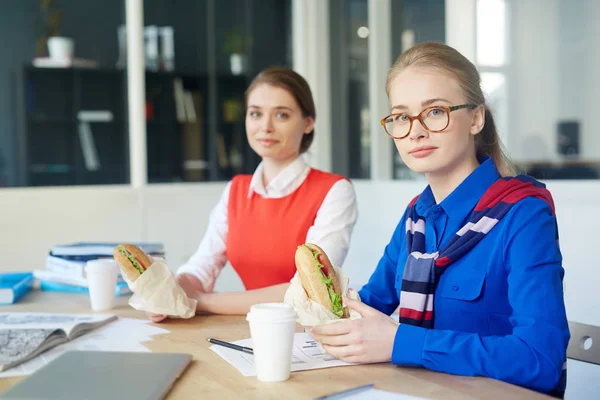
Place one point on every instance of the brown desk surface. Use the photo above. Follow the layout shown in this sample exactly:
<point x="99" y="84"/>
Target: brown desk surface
<point x="209" y="376"/>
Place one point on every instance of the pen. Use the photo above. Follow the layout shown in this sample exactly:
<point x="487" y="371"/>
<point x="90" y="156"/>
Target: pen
<point x="346" y="393"/>
<point x="232" y="346"/>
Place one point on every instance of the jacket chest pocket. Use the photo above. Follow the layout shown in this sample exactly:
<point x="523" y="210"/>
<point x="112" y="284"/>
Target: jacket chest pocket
<point x="459" y="302"/>
<point x="462" y="286"/>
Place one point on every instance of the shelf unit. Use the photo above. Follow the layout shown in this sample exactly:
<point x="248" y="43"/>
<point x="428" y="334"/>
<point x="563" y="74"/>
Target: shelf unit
<point x="195" y="127"/>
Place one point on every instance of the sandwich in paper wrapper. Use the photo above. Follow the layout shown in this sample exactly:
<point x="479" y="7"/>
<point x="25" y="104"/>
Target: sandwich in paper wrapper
<point x="317" y="288"/>
<point x="154" y="287"/>
<point x="310" y="312"/>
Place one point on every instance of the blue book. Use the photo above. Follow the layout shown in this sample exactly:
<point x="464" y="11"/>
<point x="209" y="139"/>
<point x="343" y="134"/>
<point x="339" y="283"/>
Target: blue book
<point x="120" y="290"/>
<point x="71" y="268"/>
<point x="88" y="257"/>
<point x="99" y="248"/>
<point x="15" y="285"/>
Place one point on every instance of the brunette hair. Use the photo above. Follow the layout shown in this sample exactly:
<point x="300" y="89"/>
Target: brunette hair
<point x="294" y="84"/>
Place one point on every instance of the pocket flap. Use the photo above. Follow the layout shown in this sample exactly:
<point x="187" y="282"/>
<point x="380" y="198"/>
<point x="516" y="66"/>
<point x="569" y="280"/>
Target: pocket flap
<point x="463" y="286"/>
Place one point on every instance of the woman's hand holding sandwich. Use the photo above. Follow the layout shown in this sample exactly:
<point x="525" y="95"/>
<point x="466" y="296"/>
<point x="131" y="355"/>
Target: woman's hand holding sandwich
<point x="192" y="287"/>
<point x="133" y="262"/>
<point x="369" y="339"/>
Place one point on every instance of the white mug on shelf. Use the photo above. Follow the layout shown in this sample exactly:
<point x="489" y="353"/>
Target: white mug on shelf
<point x="61" y="48"/>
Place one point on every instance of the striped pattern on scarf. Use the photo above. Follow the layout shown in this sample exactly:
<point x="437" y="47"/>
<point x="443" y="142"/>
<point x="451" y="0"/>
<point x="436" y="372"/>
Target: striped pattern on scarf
<point x="423" y="271"/>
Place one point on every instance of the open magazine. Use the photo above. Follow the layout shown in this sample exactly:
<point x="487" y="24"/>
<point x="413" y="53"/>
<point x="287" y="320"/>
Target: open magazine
<point x="24" y="336"/>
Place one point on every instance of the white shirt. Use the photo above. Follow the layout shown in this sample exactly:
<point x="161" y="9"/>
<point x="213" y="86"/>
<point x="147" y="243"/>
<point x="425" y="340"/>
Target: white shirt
<point x="331" y="229"/>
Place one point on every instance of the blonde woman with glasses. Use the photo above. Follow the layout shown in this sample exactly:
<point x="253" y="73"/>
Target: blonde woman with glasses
<point x="474" y="264"/>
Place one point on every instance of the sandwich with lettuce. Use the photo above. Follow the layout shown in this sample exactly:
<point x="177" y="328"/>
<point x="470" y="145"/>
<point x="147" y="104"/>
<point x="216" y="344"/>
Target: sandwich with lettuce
<point x="319" y="279"/>
<point x="132" y="261"/>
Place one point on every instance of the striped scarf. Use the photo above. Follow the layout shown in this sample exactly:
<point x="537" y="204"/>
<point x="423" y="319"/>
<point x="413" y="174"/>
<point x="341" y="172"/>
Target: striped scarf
<point x="422" y="271"/>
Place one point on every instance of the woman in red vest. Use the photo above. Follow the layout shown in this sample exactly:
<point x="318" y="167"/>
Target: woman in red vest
<point x="262" y="218"/>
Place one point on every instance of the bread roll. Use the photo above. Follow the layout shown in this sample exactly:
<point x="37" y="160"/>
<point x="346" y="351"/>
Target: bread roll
<point x="132" y="261"/>
<point x="324" y="289"/>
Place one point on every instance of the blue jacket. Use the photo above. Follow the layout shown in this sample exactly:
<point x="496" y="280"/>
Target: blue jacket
<point x="499" y="310"/>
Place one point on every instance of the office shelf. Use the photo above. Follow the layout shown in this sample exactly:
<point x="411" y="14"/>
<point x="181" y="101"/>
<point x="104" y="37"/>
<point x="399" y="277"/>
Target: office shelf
<point x="190" y="123"/>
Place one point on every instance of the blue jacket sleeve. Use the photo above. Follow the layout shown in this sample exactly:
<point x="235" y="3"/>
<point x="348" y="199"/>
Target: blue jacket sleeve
<point x="380" y="292"/>
<point x="534" y="354"/>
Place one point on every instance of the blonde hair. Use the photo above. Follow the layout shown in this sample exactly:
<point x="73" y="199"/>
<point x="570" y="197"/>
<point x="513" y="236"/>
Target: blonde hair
<point x="447" y="59"/>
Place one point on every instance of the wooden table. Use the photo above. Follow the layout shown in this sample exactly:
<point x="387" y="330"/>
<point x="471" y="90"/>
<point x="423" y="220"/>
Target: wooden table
<point x="209" y="376"/>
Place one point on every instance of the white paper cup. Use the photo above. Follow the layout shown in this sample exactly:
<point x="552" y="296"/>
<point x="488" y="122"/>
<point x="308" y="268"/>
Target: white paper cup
<point x="102" y="282"/>
<point x="272" y="328"/>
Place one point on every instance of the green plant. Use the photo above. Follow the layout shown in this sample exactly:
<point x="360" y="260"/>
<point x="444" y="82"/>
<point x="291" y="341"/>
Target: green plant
<point x="233" y="110"/>
<point x="47" y="24"/>
<point x="237" y="42"/>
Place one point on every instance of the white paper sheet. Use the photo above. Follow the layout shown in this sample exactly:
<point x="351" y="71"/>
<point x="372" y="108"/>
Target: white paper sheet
<point x="306" y="356"/>
<point x="124" y="334"/>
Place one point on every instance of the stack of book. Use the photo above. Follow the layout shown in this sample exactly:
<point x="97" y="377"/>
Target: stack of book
<point x="65" y="265"/>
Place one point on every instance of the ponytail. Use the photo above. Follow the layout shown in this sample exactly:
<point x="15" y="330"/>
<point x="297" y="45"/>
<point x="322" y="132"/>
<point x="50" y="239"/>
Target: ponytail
<point x="487" y="144"/>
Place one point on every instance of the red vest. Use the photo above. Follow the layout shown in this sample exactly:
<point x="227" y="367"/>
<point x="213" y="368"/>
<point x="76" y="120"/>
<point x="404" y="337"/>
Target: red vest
<point x="263" y="233"/>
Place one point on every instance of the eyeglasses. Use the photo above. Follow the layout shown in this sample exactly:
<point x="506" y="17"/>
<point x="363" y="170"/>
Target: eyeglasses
<point x="433" y="119"/>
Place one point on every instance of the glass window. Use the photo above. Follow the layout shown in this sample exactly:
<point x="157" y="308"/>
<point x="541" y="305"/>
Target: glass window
<point x="62" y="122"/>
<point x="552" y="86"/>
<point x="195" y="106"/>
<point x="494" y="89"/>
<point x="491" y="59"/>
<point x="491" y="33"/>
<point x="349" y="32"/>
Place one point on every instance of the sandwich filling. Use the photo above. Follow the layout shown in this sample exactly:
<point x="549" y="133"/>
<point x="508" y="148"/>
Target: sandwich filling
<point x="131" y="258"/>
<point x="336" y="299"/>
